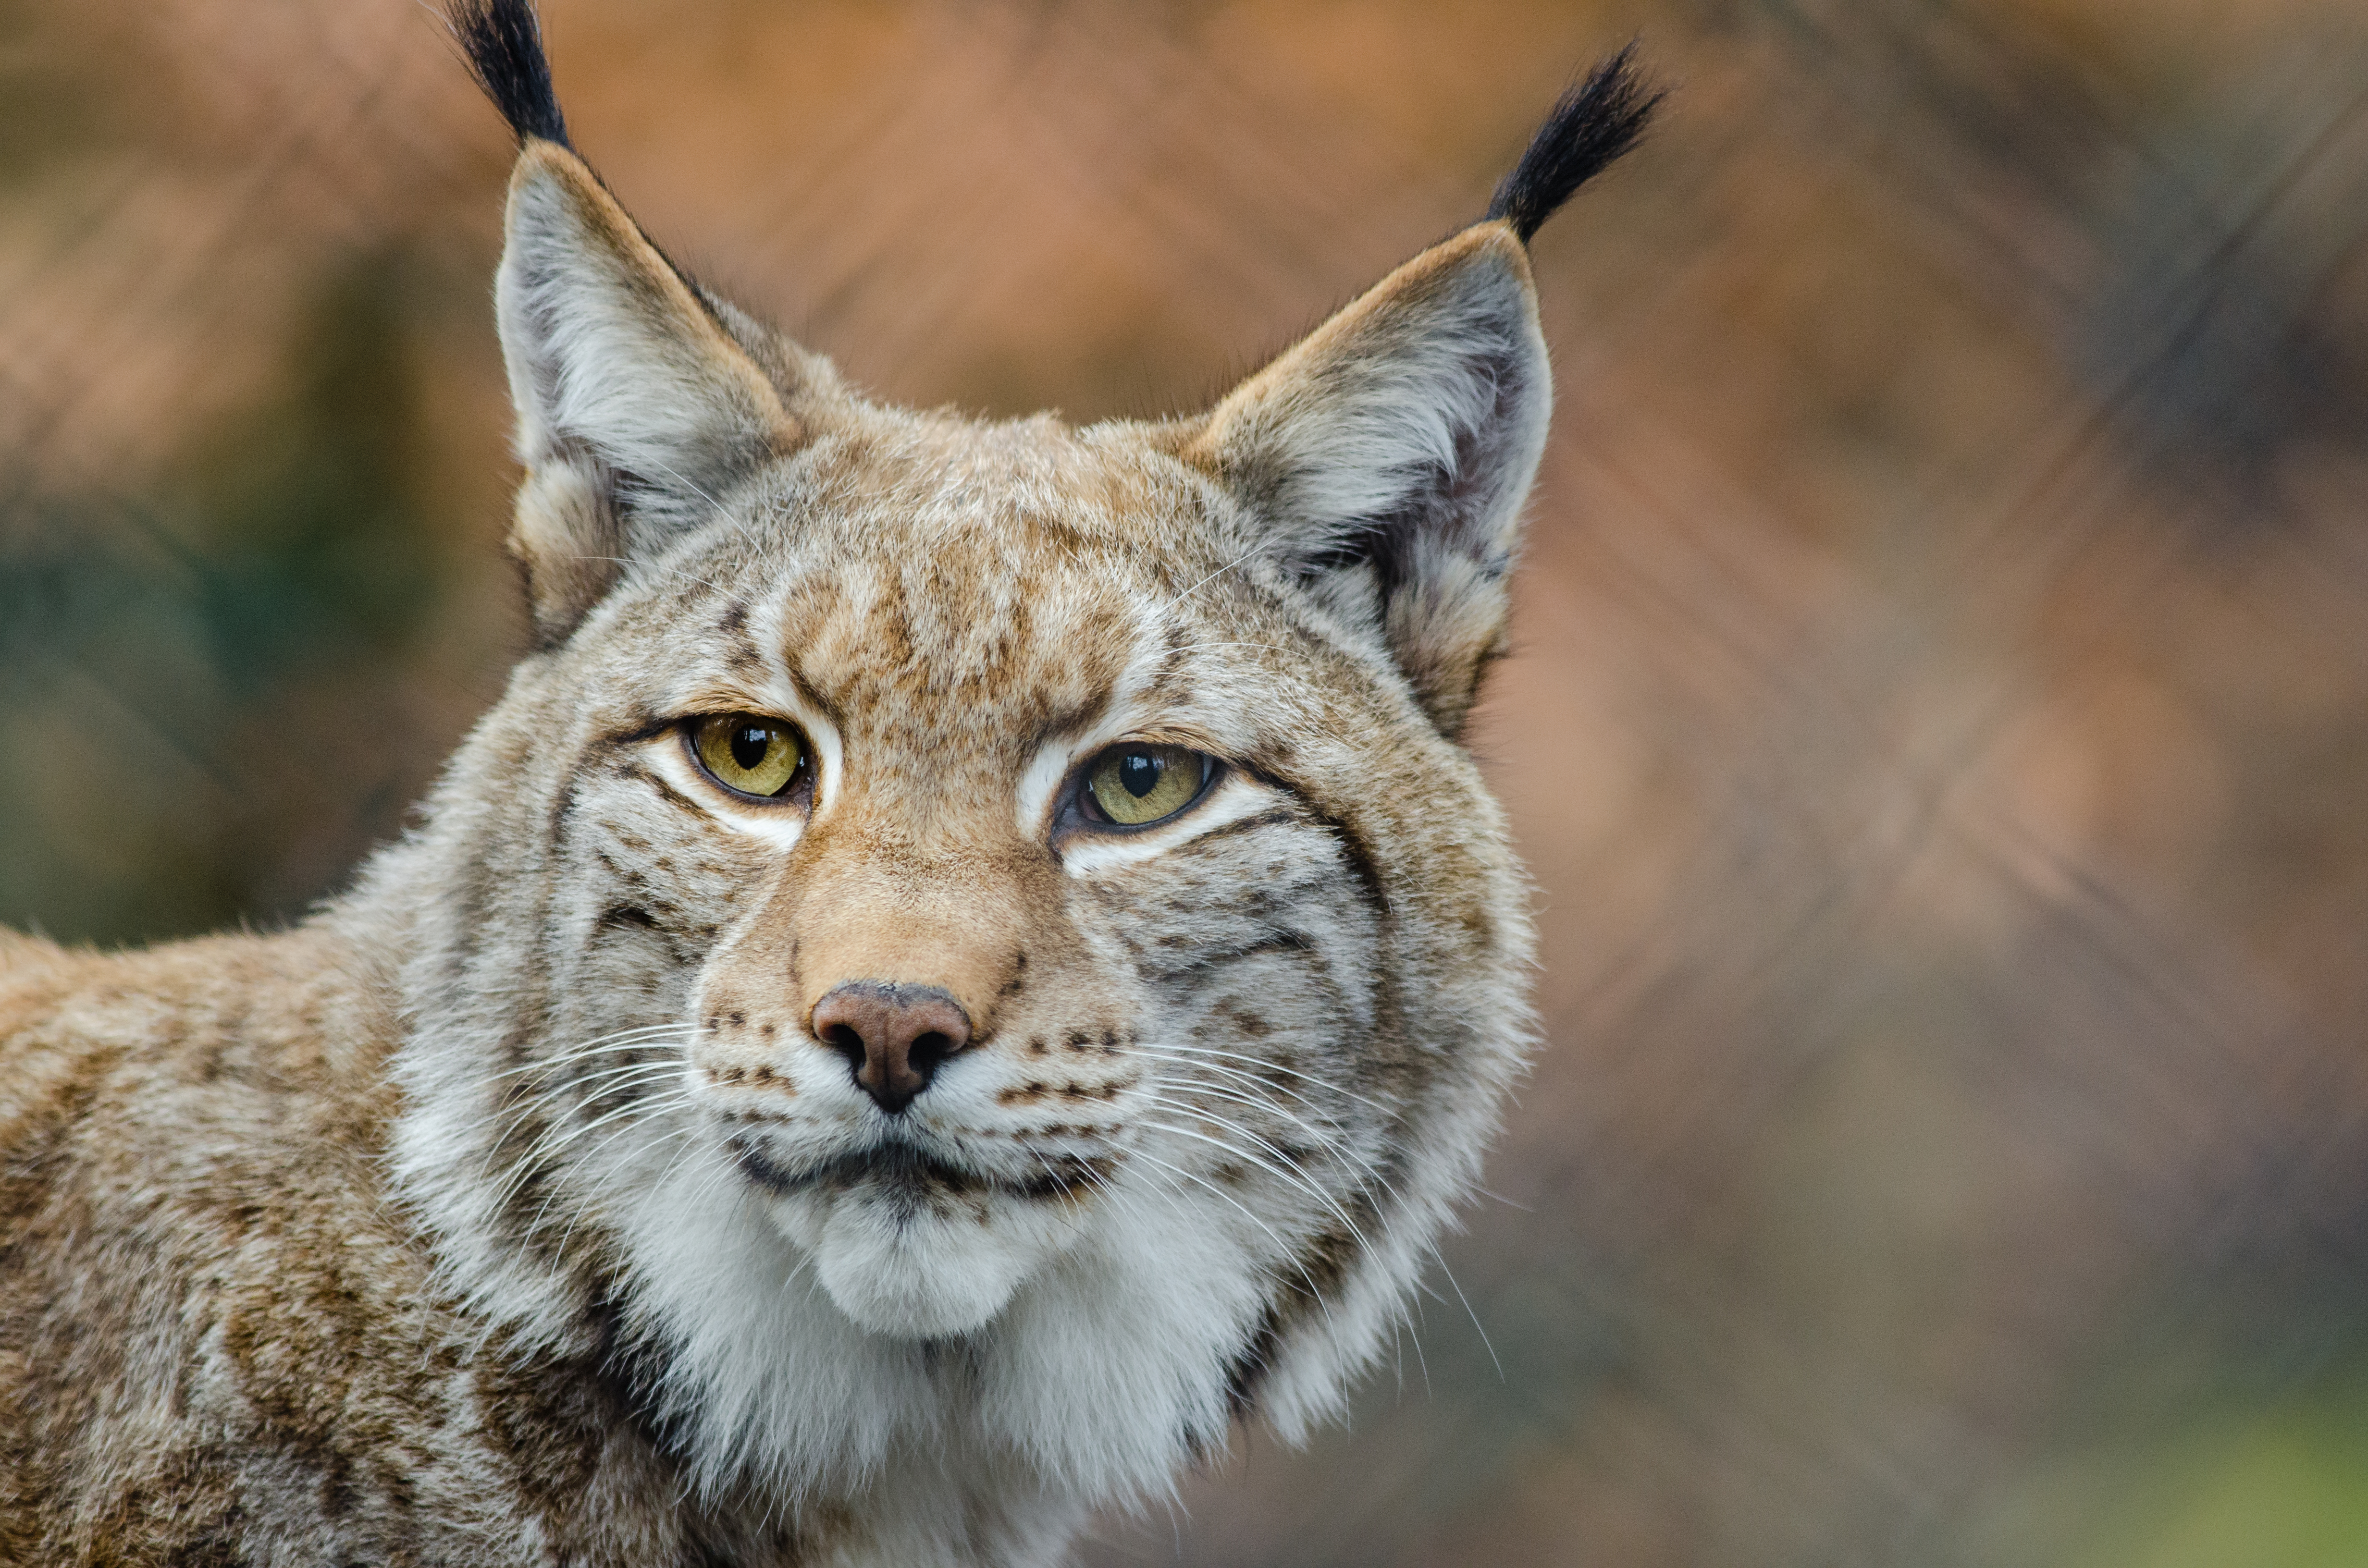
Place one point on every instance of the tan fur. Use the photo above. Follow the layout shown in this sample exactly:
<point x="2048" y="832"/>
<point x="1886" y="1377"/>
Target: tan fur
<point x="509" y="1210"/>
<point x="208" y="1312"/>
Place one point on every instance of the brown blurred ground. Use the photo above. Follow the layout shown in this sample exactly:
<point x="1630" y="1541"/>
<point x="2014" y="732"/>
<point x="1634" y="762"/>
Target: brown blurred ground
<point x="1940" y="731"/>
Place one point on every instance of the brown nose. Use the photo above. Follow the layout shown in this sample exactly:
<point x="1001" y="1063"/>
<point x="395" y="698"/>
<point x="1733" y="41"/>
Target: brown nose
<point x="893" y="1036"/>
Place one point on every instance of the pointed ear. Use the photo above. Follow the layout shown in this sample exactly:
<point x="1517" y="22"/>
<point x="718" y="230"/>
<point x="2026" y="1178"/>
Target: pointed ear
<point x="1388" y="454"/>
<point x="636" y="407"/>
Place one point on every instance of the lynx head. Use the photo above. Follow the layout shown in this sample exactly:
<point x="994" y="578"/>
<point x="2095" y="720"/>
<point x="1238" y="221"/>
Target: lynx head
<point x="974" y="944"/>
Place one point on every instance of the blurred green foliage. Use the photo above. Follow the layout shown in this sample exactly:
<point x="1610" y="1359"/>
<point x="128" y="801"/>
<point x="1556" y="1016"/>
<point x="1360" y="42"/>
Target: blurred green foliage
<point x="176" y="643"/>
<point x="2277" y="1484"/>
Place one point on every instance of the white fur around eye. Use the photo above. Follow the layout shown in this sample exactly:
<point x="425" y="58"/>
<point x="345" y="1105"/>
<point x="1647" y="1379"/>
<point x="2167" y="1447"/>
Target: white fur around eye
<point x="1040" y="786"/>
<point x="779" y="827"/>
<point x="1234" y="797"/>
<point x="778" y="694"/>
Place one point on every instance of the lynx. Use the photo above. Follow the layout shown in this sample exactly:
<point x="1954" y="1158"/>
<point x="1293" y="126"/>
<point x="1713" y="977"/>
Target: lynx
<point x="968" y="961"/>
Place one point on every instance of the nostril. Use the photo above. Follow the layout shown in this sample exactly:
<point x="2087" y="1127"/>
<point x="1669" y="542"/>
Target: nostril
<point x="926" y="1051"/>
<point x="893" y="1036"/>
<point x="845" y="1040"/>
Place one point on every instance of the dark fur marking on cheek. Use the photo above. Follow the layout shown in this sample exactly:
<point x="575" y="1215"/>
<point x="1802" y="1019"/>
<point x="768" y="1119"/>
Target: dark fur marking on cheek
<point x="1362" y="861"/>
<point x="1244" y="1022"/>
<point x="662" y="914"/>
<point x="1273" y="942"/>
<point x="554" y="829"/>
<point x="1276" y="816"/>
<point x="1037" y="1089"/>
<point x="1182" y="969"/>
<point x="1366" y="866"/>
<point x="663" y="790"/>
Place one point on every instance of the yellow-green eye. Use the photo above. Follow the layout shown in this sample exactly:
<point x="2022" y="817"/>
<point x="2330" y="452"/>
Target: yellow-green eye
<point x="743" y="752"/>
<point x="1131" y="785"/>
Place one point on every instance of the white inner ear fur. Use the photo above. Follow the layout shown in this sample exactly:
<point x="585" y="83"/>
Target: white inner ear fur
<point x="1385" y="458"/>
<point x="613" y="363"/>
<point x="1424" y="404"/>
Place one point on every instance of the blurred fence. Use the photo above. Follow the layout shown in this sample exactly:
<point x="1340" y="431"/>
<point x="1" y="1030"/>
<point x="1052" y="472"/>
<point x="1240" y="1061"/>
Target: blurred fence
<point x="1938" y="730"/>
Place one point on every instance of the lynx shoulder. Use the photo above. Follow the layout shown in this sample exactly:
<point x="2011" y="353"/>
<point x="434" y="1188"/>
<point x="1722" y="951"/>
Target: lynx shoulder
<point x="968" y="961"/>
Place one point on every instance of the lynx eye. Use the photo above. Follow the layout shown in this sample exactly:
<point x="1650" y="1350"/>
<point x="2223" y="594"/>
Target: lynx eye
<point x="1137" y="784"/>
<point x="747" y="753"/>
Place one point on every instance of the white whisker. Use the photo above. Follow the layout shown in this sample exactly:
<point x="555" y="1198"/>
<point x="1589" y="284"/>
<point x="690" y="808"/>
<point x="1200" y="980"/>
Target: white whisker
<point x="1284" y="1249"/>
<point x="1284" y="1173"/>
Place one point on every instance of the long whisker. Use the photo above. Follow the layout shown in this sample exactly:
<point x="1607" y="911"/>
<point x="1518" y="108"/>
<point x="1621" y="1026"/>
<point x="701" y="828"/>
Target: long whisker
<point x="559" y="1137"/>
<point x="1180" y="1048"/>
<point x="1367" y="1167"/>
<point x="690" y="1150"/>
<point x="624" y="1039"/>
<point x="1333" y="1140"/>
<point x="586" y="1088"/>
<point x="582" y="1085"/>
<point x="1283" y="1173"/>
<point x="1179" y="598"/>
<point x="647" y="1109"/>
<point x="1284" y="1249"/>
<point x="683" y="1130"/>
<point x="1476" y="1325"/>
<point x="1330" y="1142"/>
<point x="552" y="1139"/>
<point x="506" y="1120"/>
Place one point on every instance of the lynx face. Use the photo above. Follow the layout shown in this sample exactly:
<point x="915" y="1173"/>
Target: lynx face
<point x="972" y="947"/>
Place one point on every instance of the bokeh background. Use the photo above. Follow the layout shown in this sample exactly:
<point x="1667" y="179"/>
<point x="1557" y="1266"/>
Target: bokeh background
<point x="1939" y="728"/>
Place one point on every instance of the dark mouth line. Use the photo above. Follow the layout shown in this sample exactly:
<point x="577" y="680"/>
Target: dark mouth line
<point x="907" y="1172"/>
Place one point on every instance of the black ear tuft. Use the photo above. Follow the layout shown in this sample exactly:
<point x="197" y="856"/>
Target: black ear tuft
<point x="1589" y="127"/>
<point x="504" y="43"/>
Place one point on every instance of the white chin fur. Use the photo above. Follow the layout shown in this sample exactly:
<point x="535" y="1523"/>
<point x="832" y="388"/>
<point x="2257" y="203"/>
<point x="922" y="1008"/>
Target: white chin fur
<point x="922" y="1271"/>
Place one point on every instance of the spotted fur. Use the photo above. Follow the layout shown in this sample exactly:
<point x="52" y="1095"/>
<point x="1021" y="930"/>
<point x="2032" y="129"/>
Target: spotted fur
<point x="510" y="1211"/>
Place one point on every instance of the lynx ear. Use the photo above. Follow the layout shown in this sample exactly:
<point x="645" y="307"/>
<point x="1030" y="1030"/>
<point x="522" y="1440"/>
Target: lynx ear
<point x="635" y="407"/>
<point x="1389" y="453"/>
<point x="638" y="402"/>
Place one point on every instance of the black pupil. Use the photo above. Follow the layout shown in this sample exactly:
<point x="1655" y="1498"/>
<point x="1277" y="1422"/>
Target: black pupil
<point x="749" y="745"/>
<point x="1140" y="771"/>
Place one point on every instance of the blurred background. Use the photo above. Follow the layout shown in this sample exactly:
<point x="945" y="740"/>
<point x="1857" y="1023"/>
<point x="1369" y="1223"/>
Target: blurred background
<point x="1938" y="728"/>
